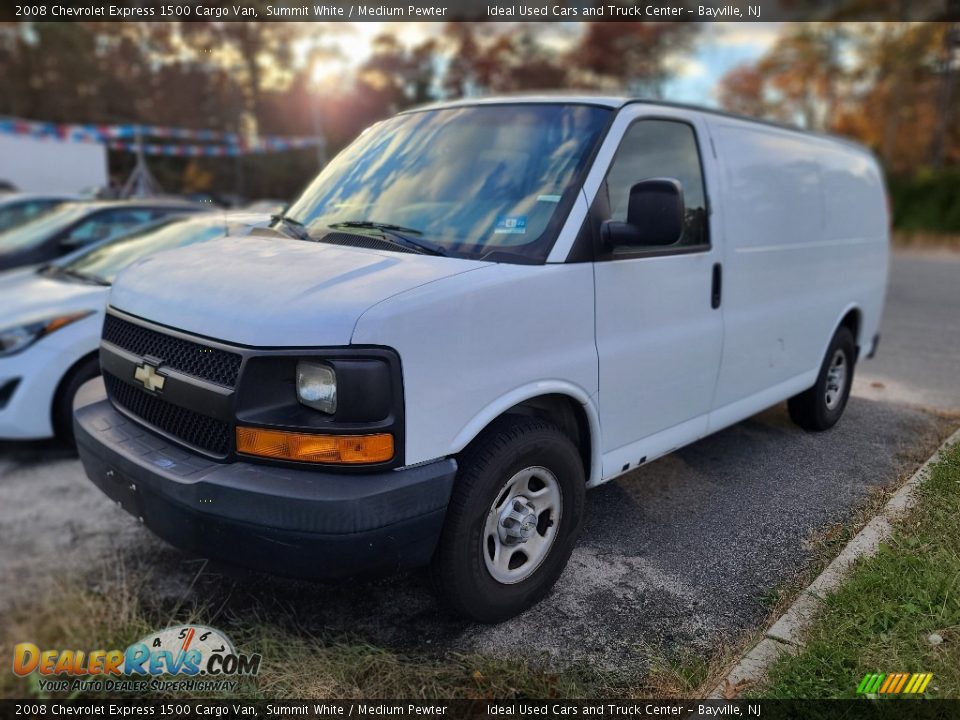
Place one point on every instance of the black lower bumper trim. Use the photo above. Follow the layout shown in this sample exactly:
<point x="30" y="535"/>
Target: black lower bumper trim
<point x="286" y="521"/>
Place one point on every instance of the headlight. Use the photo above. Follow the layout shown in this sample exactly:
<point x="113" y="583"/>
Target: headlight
<point x="317" y="386"/>
<point x="20" y="337"/>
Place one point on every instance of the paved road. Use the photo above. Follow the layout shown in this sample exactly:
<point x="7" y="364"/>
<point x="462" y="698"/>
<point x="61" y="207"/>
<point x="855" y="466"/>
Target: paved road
<point x="919" y="357"/>
<point x="678" y="558"/>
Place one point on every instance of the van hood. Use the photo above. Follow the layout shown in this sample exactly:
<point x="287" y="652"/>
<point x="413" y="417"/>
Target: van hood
<point x="272" y="291"/>
<point x="27" y="296"/>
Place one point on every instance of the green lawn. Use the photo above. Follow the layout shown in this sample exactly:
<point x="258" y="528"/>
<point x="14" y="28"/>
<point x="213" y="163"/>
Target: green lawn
<point x="888" y="616"/>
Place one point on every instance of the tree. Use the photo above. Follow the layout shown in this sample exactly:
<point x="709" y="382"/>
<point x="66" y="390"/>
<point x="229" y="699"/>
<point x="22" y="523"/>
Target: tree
<point x="871" y="81"/>
<point x="516" y="60"/>
<point x="459" y="42"/>
<point x="398" y="75"/>
<point x="743" y="90"/>
<point x="631" y="55"/>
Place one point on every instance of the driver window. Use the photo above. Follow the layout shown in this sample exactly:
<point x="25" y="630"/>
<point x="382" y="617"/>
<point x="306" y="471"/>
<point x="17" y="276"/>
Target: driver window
<point x="661" y="148"/>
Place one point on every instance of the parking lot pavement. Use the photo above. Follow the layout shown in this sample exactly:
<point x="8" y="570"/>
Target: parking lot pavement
<point x="919" y="357"/>
<point x="676" y="557"/>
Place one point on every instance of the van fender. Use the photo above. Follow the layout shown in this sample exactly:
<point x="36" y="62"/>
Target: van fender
<point x="836" y="324"/>
<point x="527" y="392"/>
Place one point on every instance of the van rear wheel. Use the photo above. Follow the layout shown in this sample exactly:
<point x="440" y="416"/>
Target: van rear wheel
<point x="513" y="520"/>
<point x="820" y="407"/>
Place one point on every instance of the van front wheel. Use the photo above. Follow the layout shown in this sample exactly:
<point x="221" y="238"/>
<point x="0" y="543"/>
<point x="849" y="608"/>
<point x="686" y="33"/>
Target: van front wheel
<point x="820" y="407"/>
<point x="513" y="520"/>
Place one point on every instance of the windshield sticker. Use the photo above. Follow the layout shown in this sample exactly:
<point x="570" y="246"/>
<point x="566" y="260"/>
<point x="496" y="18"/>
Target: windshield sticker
<point x="511" y="225"/>
<point x="548" y="198"/>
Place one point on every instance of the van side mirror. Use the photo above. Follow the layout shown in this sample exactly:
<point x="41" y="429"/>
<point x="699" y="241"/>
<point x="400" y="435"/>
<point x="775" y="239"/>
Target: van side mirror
<point x="655" y="216"/>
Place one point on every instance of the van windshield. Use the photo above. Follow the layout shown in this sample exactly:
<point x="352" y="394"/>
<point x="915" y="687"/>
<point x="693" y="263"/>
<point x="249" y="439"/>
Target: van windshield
<point x="485" y="181"/>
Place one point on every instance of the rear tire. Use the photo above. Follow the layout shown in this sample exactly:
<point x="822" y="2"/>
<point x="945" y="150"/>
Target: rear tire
<point x="62" y="411"/>
<point x="820" y="407"/>
<point x="514" y="518"/>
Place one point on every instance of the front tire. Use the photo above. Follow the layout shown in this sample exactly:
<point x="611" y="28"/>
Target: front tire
<point x="820" y="407"/>
<point x="514" y="518"/>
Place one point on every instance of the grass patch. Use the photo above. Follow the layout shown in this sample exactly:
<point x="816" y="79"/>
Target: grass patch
<point x="884" y="616"/>
<point x="116" y="609"/>
<point x="925" y="240"/>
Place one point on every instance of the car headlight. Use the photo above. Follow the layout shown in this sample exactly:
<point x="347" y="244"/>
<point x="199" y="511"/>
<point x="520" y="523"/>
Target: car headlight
<point x="317" y="386"/>
<point x="17" y="338"/>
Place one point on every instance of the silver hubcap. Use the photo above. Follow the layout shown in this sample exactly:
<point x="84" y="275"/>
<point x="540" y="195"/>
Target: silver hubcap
<point x="521" y="525"/>
<point x="836" y="379"/>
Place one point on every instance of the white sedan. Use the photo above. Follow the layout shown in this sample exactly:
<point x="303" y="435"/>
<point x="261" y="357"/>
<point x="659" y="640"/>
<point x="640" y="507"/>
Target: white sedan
<point x="51" y="320"/>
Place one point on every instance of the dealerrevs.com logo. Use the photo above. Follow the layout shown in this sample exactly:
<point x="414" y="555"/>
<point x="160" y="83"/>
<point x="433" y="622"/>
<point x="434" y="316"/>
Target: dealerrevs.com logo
<point x="185" y="652"/>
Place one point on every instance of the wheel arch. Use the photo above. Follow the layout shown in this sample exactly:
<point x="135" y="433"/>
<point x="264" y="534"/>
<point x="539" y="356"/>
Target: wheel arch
<point x="851" y="318"/>
<point x="65" y="380"/>
<point x="565" y="404"/>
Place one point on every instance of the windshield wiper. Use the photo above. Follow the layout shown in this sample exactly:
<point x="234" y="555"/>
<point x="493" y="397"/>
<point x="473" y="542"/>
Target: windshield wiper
<point x="85" y="277"/>
<point x="397" y="234"/>
<point x="296" y="228"/>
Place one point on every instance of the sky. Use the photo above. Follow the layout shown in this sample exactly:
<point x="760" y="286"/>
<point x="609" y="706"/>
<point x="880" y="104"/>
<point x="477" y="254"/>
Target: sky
<point x="718" y="48"/>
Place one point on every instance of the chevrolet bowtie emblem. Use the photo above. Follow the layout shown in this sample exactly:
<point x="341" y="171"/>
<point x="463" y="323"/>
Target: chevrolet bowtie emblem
<point x="147" y="374"/>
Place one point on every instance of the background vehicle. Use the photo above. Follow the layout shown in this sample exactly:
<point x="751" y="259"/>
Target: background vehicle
<point x="19" y="208"/>
<point x="51" y="165"/>
<point x="52" y="320"/>
<point x="75" y="225"/>
<point x="482" y="309"/>
<point x="271" y="207"/>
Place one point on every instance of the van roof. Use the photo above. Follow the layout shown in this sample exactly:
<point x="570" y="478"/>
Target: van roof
<point x="618" y="101"/>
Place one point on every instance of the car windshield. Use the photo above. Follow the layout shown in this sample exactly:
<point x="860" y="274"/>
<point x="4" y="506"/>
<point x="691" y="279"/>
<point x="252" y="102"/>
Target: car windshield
<point x="480" y="181"/>
<point x="33" y="233"/>
<point x="18" y="212"/>
<point x="105" y="261"/>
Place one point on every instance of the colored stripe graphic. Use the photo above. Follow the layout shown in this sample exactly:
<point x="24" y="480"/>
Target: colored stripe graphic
<point x="894" y="683"/>
<point x="887" y="683"/>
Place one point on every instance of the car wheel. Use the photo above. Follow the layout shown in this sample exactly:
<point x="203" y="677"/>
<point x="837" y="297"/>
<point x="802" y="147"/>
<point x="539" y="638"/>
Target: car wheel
<point x="513" y="520"/>
<point x="820" y="407"/>
<point x="62" y="412"/>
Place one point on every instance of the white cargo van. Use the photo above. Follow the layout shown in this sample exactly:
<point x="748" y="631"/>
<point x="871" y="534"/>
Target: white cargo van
<point x="477" y="311"/>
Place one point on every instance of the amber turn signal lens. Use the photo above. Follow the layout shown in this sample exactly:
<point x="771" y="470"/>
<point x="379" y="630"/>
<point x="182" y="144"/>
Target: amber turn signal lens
<point x="305" y="447"/>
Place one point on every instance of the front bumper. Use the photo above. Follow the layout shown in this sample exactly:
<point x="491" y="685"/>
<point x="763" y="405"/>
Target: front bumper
<point x="305" y="523"/>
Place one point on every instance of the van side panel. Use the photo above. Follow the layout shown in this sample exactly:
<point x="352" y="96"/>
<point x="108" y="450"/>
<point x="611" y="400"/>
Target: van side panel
<point x="855" y="209"/>
<point x="473" y="347"/>
<point x="805" y="240"/>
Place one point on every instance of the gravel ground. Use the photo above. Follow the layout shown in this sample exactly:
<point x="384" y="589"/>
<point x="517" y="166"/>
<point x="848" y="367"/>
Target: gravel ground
<point x="677" y="557"/>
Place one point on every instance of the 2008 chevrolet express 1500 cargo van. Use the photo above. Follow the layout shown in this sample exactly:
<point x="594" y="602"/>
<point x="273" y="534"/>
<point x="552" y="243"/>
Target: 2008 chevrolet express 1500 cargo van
<point x="475" y="312"/>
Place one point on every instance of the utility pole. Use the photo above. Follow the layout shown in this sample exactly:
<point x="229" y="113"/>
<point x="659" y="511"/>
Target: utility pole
<point x="140" y="183"/>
